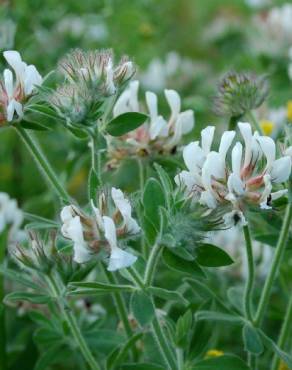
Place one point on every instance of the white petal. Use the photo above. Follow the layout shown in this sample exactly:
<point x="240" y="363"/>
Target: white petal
<point x="32" y="78"/>
<point x="246" y="132"/>
<point x="110" y="231"/>
<point x="225" y="143"/>
<point x="13" y="58"/>
<point x="121" y="105"/>
<point x="186" y="179"/>
<point x="8" y="82"/>
<point x="236" y="158"/>
<point x="278" y="194"/>
<point x="208" y="199"/>
<point x="120" y="259"/>
<point x="235" y="185"/>
<point x="266" y="192"/>
<point x="234" y="218"/>
<point x="134" y="103"/>
<point x="288" y="151"/>
<point x="187" y="121"/>
<point x="75" y="233"/>
<point x="67" y="213"/>
<point x="207" y="135"/>
<point x="98" y="215"/>
<point x="158" y="128"/>
<point x="268" y="147"/>
<point x="151" y="101"/>
<point x="125" y="209"/>
<point x="193" y="156"/>
<point x="13" y="107"/>
<point x="109" y="83"/>
<point x="281" y="169"/>
<point x="174" y="102"/>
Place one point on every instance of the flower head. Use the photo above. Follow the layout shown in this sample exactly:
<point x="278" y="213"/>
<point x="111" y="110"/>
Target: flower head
<point x="90" y="78"/>
<point x="15" y="89"/>
<point x="158" y="135"/>
<point x="249" y="179"/>
<point x="111" y="220"/>
<point x="239" y="93"/>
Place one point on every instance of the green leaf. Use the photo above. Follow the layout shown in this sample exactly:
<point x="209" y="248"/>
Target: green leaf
<point x="252" y="340"/>
<point x="176" y="263"/>
<point x="27" y="296"/>
<point x="225" y="362"/>
<point x="142" y="308"/>
<point x="125" y="123"/>
<point x="97" y="288"/>
<point x="153" y="198"/>
<point x="183" y="329"/>
<point x="140" y="366"/>
<point x="18" y="277"/>
<point x="165" y="181"/>
<point x="93" y="184"/>
<point x="211" y="256"/>
<point x="119" y="354"/>
<point x="33" y="126"/>
<point x="49" y="357"/>
<point x="219" y="316"/>
<point x="78" y="133"/>
<point x="235" y="297"/>
<point x="272" y="346"/>
<point x="168" y="295"/>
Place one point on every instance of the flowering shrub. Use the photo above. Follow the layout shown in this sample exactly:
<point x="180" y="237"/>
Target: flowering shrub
<point x="180" y="229"/>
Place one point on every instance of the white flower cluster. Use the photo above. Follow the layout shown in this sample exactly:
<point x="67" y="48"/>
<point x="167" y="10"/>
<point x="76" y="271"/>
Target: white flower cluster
<point x="13" y="93"/>
<point x="253" y="171"/>
<point x="160" y="133"/>
<point x="91" y="235"/>
<point x="10" y="216"/>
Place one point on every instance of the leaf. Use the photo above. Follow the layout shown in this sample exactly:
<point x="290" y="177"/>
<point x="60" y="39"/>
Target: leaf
<point x="219" y="316"/>
<point x="100" y="287"/>
<point x="176" y="263"/>
<point x="225" y="362"/>
<point x="140" y="366"/>
<point x="183" y="328"/>
<point x="27" y="296"/>
<point x="18" y="277"/>
<point x="93" y="184"/>
<point x="33" y="126"/>
<point x="119" y="354"/>
<point x="165" y="181"/>
<point x="78" y="133"/>
<point x="104" y="340"/>
<point x="49" y="357"/>
<point x="252" y="340"/>
<point x="153" y="198"/>
<point x="125" y="123"/>
<point x="211" y="256"/>
<point x="235" y="297"/>
<point x="142" y="308"/>
<point x="272" y="346"/>
<point x="41" y="320"/>
<point x="168" y="295"/>
<point x="47" y="337"/>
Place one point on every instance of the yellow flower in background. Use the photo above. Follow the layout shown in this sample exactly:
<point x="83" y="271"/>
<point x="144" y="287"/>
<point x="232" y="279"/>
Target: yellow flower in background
<point x="214" y="353"/>
<point x="283" y="366"/>
<point x="267" y="126"/>
<point x="289" y="110"/>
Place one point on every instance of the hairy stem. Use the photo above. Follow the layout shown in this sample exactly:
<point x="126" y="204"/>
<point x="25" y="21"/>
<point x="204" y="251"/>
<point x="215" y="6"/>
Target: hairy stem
<point x="158" y="333"/>
<point x="248" y="309"/>
<point x="151" y="264"/>
<point x="42" y="163"/>
<point x="285" y="333"/>
<point x="279" y="252"/>
<point x="73" y="325"/>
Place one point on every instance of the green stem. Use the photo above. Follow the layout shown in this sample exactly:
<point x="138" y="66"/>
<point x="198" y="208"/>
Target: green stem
<point x="180" y="358"/>
<point x="72" y="323"/>
<point x="3" y="357"/>
<point x="163" y="344"/>
<point x="95" y="154"/>
<point x="251" y="117"/>
<point x="284" y="334"/>
<point x="120" y="304"/>
<point x="151" y="264"/>
<point x="251" y="275"/>
<point x="158" y="333"/>
<point x="42" y="163"/>
<point x="279" y="252"/>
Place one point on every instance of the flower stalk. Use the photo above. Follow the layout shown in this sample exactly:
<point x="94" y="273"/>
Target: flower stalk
<point x="72" y="323"/>
<point x="251" y="275"/>
<point x="280" y="248"/>
<point x="42" y="163"/>
<point x="3" y="357"/>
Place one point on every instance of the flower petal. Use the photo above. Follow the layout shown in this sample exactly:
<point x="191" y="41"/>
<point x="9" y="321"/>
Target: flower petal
<point x="207" y="135"/>
<point x="281" y="169"/>
<point x="151" y="101"/>
<point x="110" y="231"/>
<point x="174" y="102"/>
<point x="225" y="143"/>
<point x="236" y="158"/>
<point x="120" y="259"/>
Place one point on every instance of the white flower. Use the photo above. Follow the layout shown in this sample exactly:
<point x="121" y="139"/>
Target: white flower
<point x="91" y="234"/>
<point x="14" y="93"/>
<point x="234" y="218"/>
<point x="212" y="181"/>
<point x="72" y="229"/>
<point x="118" y="258"/>
<point x="158" y="133"/>
<point x="124" y="207"/>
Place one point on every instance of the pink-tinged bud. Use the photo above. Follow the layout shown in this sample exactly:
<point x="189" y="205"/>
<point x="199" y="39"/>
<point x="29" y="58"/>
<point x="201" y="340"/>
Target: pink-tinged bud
<point x="255" y="182"/>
